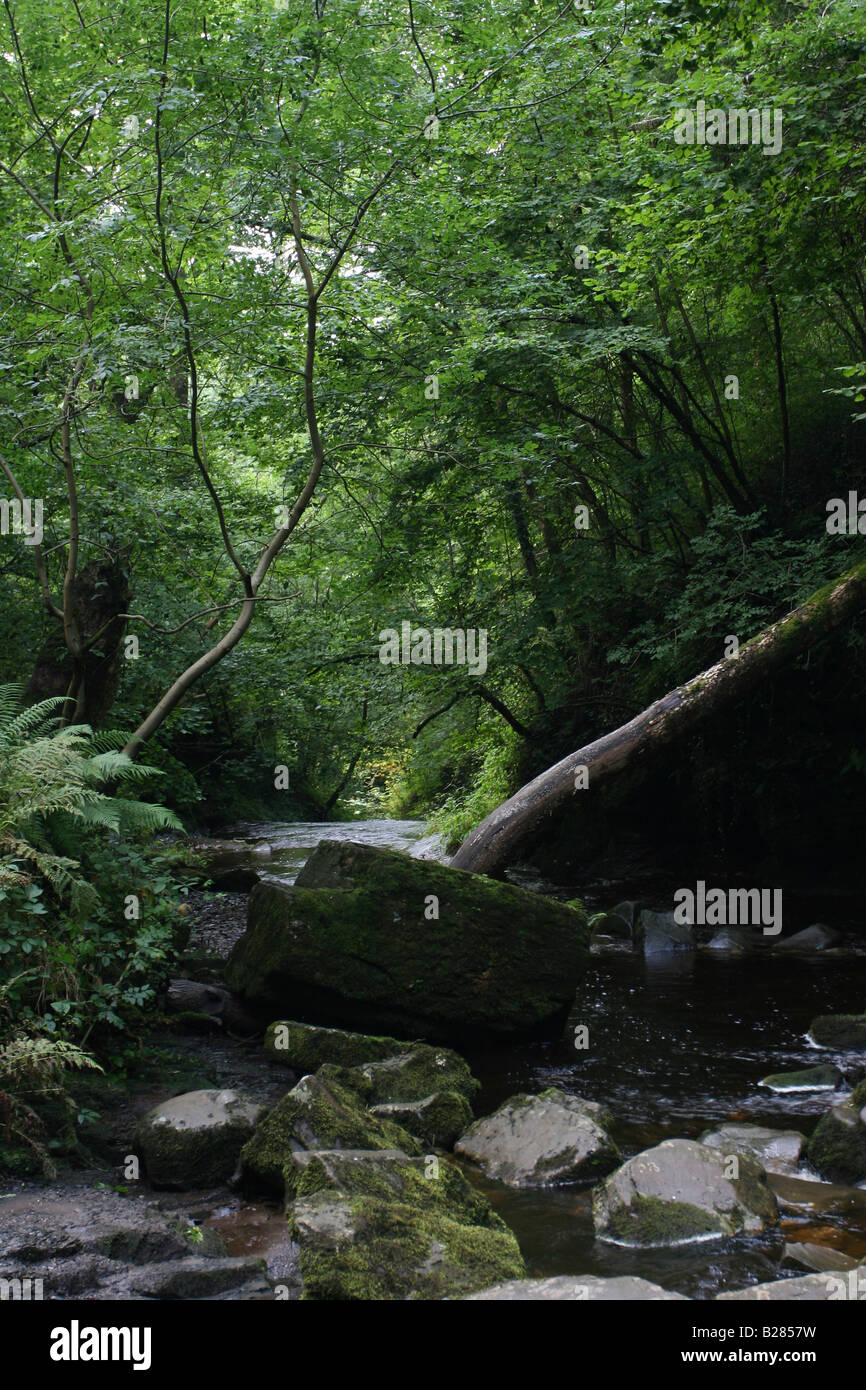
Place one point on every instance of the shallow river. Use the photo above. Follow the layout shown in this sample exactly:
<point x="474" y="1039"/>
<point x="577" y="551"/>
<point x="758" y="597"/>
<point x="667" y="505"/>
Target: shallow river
<point x="674" y="1048"/>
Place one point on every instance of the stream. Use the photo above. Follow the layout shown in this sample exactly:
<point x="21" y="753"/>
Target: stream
<point x="676" y="1045"/>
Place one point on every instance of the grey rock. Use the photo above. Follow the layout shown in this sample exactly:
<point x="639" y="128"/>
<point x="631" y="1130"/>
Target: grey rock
<point x="657" y="933"/>
<point x="818" y="937"/>
<point x="779" y="1150"/>
<point x="532" y="1141"/>
<point x="808" y="1288"/>
<point x="680" y="1192"/>
<point x="582" y="1288"/>
<point x="195" y="1139"/>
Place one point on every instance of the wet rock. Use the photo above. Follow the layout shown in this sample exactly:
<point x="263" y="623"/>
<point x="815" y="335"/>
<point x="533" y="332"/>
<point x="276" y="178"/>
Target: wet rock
<point x="532" y="1141"/>
<point x="821" y="1258"/>
<point x="846" y="1032"/>
<point x="351" y="943"/>
<point x="436" y="1119"/>
<point x="195" y="1139"/>
<point x="818" y="937"/>
<point x="583" y="1288"/>
<point x="305" y="1047"/>
<point x="680" y="1192"/>
<point x="808" y="1288"/>
<point x="731" y="940"/>
<point x="384" y="1226"/>
<point x="657" y="933"/>
<point x="187" y="1279"/>
<point x="837" y="1148"/>
<point x="325" y="1111"/>
<point x="778" y="1150"/>
<point x="416" y="1072"/>
<point x="823" y="1078"/>
<point x="92" y="1243"/>
<point x="610" y="931"/>
<point x="192" y="997"/>
<point x="627" y="912"/>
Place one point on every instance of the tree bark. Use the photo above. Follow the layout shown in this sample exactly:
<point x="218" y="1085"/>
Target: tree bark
<point x="493" y="843"/>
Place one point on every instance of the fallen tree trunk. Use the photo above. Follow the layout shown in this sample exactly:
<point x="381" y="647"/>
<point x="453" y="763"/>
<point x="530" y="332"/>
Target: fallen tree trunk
<point x="493" y="843"/>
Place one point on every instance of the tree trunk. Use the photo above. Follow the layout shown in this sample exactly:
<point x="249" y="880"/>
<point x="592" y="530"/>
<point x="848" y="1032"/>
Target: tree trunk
<point x="493" y="843"/>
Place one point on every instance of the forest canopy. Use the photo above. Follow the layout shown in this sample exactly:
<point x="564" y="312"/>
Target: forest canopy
<point x="320" y="319"/>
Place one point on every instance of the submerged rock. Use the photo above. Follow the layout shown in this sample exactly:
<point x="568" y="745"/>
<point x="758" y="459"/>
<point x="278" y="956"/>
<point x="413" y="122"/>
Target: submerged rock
<point x="583" y="1288"/>
<point x="195" y="1139"/>
<point x="532" y="1141"/>
<point x="847" y="1032"/>
<point x="679" y="1192"/>
<point x="778" y="1150"/>
<point x="384" y="1226"/>
<point x="823" y="1078"/>
<point x="837" y="1148"/>
<point x="732" y="940"/>
<point x="818" y="937"/>
<point x="657" y="933"/>
<point x="370" y="936"/>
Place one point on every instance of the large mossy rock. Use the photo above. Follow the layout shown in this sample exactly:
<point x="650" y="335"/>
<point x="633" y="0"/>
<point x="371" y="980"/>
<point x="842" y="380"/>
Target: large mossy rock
<point x="325" y="1111"/>
<point x="373" y="938"/>
<point x="382" y="1226"/>
<point x="837" y="1148"/>
<point x="305" y="1047"/>
<point x="533" y="1141"/>
<point x="679" y="1192"/>
<point x="195" y="1139"/>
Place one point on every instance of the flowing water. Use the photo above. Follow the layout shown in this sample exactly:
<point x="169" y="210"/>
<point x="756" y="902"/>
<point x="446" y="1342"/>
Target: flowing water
<point x="676" y="1046"/>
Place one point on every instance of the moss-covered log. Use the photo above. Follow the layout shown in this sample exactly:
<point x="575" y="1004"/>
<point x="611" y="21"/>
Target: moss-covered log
<point x="494" y="842"/>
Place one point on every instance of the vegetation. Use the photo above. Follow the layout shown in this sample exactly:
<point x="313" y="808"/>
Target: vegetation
<point x="319" y="318"/>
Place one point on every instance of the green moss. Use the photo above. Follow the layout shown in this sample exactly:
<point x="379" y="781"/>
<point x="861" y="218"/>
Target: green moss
<point x="351" y="942"/>
<point x="400" y="1251"/>
<point x="839" y="1030"/>
<point x="652" y="1221"/>
<point x="304" y="1047"/>
<point x="325" y="1111"/>
<point x="437" y="1119"/>
<point x="418" y="1072"/>
<point x="837" y="1148"/>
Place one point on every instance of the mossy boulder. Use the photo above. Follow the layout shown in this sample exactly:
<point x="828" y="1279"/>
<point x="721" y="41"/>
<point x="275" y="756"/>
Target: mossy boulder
<point x="417" y="1072"/>
<point x="325" y="1111"/>
<point x="846" y="1032"/>
<point x="305" y="1047"/>
<point x="386" y="1227"/>
<point x="680" y="1192"/>
<point x="436" y="1119"/>
<point x="533" y="1141"/>
<point x="837" y="1148"/>
<point x="195" y="1139"/>
<point x="374" y="939"/>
